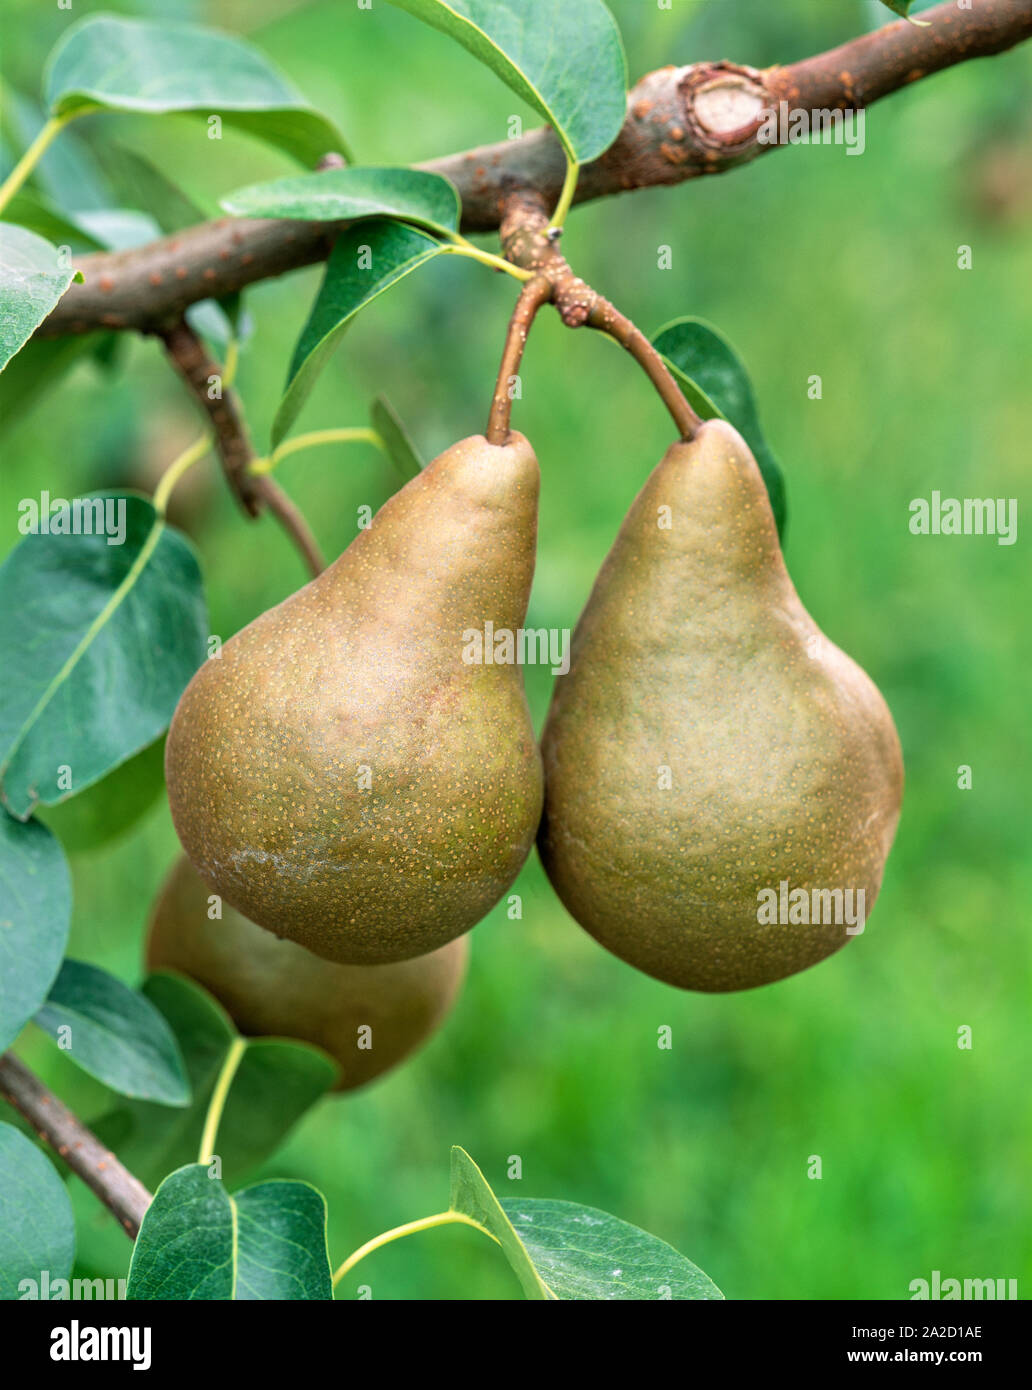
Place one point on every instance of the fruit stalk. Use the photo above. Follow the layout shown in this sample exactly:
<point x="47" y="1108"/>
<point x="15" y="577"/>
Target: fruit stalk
<point x="534" y="294"/>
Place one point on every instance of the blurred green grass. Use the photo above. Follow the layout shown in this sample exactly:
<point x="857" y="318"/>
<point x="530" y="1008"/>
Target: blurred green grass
<point x="812" y="263"/>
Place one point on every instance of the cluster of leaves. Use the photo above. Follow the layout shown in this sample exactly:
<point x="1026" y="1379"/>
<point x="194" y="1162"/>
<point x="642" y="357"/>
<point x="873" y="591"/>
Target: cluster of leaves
<point x="101" y="639"/>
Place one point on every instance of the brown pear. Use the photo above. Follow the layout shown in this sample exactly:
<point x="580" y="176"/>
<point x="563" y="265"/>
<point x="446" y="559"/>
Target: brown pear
<point x="367" y="1017"/>
<point x="722" y="783"/>
<point x="346" y="773"/>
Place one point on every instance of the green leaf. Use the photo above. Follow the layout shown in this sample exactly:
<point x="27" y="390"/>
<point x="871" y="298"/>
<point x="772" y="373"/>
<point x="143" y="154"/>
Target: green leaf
<point x="400" y="448"/>
<point x="114" y="1034"/>
<point x="114" y="64"/>
<point x="366" y="260"/>
<point x="119" y="229"/>
<point x="902" y="7"/>
<point x="197" y="1241"/>
<point x="471" y="1195"/>
<point x="275" y="1083"/>
<point x="137" y="182"/>
<point x="112" y="806"/>
<point x="562" y="1250"/>
<point x="336" y="195"/>
<point x="583" y="1253"/>
<point x="37" y="213"/>
<point x="38" y="367"/>
<point x="716" y="383"/>
<point x="564" y="59"/>
<point x="37" y="1228"/>
<point x="32" y="280"/>
<point x="35" y="913"/>
<point x="100" y="640"/>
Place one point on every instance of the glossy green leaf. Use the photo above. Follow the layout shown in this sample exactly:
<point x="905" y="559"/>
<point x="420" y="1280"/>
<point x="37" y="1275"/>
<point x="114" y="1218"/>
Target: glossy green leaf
<point x="471" y="1195"/>
<point x="33" y="277"/>
<point x="565" y="60"/>
<point x="396" y="440"/>
<point x="37" y="1229"/>
<point x="35" y="914"/>
<point x="115" y="1034"/>
<point x="112" y="806"/>
<point x="275" y="1083"/>
<point x="197" y="1241"/>
<point x="562" y="1250"/>
<point x="366" y="260"/>
<point x="100" y="640"/>
<point x="336" y="195"/>
<point x="716" y="382"/>
<point x="582" y="1253"/>
<point x="108" y="63"/>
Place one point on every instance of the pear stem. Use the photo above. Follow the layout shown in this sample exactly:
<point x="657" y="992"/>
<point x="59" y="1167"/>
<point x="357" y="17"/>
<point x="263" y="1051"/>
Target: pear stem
<point x="536" y="292"/>
<point x="607" y="319"/>
<point x="529" y="240"/>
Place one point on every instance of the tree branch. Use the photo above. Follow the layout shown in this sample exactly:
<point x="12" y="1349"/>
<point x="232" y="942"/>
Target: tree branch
<point x="682" y="122"/>
<point x="100" y="1170"/>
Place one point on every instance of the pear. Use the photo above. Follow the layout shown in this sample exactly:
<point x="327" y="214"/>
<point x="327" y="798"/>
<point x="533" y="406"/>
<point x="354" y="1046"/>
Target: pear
<point x="272" y="988"/>
<point x="721" y="782"/>
<point x="346" y="773"/>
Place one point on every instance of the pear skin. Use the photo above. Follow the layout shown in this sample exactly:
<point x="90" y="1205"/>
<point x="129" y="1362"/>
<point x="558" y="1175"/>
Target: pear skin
<point x="709" y="744"/>
<point x="272" y="988"/>
<point x="342" y="774"/>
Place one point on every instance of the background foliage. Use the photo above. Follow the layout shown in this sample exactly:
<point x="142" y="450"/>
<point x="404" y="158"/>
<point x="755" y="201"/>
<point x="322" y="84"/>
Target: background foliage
<point x="810" y="262"/>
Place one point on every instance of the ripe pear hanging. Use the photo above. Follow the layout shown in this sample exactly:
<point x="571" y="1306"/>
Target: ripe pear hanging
<point x="272" y="988"/>
<point x="721" y="782"/>
<point x="340" y="774"/>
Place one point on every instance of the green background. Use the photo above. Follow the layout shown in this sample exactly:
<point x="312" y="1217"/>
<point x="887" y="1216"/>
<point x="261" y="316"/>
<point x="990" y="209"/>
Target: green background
<point x="811" y="262"/>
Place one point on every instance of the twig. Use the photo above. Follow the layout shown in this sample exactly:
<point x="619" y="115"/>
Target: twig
<point x="529" y="241"/>
<point x="682" y="122"/>
<point x="534" y="293"/>
<point x="289" y="515"/>
<point x="121" y="1192"/>
<point x="187" y="354"/>
<point x="191" y="361"/>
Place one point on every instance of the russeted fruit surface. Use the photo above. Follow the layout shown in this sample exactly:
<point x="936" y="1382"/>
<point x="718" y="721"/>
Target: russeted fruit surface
<point x="710" y="753"/>
<point x="340" y="774"/>
<point x="273" y="988"/>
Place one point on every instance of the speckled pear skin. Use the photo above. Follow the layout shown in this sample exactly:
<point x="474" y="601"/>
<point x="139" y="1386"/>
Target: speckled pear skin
<point x="360" y="675"/>
<point x="272" y="988"/>
<point x="695" y="653"/>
